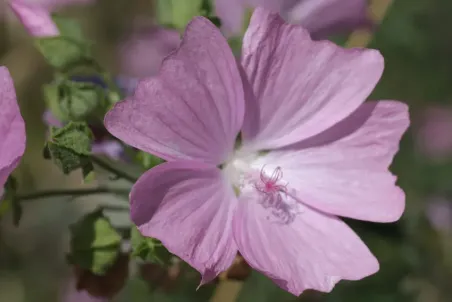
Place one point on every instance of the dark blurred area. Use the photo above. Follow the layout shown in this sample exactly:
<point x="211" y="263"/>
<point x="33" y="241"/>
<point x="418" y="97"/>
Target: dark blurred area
<point x="415" y="254"/>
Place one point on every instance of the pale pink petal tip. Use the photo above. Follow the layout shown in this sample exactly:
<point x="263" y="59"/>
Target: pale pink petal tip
<point x="344" y="171"/>
<point x="36" y="19"/>
<point x="304" y="250"/>
<point x="189" y="207"/>
<point x="193" y="109"/>
<point x="12" y="127"/>
<point x="316" y="84"/>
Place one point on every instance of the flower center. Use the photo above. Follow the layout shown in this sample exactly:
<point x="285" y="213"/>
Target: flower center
<point x="249" y="174"/>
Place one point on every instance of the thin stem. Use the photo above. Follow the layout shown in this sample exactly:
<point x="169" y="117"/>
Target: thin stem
<point x="108" y="167"/>
<point x="71" y="192"/>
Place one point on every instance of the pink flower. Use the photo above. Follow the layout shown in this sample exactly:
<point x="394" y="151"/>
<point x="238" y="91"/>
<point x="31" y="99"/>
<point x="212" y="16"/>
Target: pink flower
<point x="12" y="128"/>
<point x="310" y="151"/>
<point x="141" y="54"/>
<point x="321" y="18"/>
<point x="434" y="138"/>
<point x="36" y="15"/>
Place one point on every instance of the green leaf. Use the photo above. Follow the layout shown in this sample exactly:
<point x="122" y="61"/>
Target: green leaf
<point x="148" y="249"/>
<point x="66" y="159"/>
<point x="148" y="160"/>
<point x="82" y="100"/>
<point x="177" y="13"/>
<point x="61" y="52"/>
<point x="75" y="100"/>
<point x="95" y="244"/>
<point x="75" y="136"/>
<point x="9" y="202"/>
<point x="70" y="148"/>
<point x="69" y="28"/>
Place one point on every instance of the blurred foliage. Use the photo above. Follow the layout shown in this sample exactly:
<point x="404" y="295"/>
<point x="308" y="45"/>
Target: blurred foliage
<point x="69" y="148"/>
<point x="95" y="244"/>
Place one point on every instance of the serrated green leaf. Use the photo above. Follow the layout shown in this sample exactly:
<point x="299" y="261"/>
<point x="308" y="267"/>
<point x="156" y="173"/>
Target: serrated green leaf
<point x="75" y="136"/>
<point x="66" y="159"/>
<point x="60" y="52"/>
<point x="69" y="148"/>
<point x="148" y="249"/>
<point x="95" y="244"/>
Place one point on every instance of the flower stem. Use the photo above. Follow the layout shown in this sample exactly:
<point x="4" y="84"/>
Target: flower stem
<point x="71" y="192"/>
<point x="108" y="167"/>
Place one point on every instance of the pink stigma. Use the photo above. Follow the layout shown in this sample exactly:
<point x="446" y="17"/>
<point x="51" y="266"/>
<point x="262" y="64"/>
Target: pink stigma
<point x="269" y="185"/>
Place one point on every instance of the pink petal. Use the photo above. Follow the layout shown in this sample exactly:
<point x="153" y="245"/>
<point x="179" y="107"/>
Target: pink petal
<point x="142" y="53"/>
<point x="344" y="170"/>
<point x="301" y="87"/>
<point x="312" y="251"/>
<point x="36" y="19"/>
<point x="12" y="127"/>
<point x="323" y="18"/>
<point x="193" y="109"/>
<point x="433" y="138"/>
<point x="189" y="207"/>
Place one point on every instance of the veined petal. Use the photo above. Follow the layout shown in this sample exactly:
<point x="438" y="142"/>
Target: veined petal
<point x="189" y="207"/>
<point x="300" y="87"/>
<point x="12" y="127"/>
<point x="36" y="19"/>
<point x="193" y="109"/>
<point x="344" y="170"/>
<point x="312" y="251"/>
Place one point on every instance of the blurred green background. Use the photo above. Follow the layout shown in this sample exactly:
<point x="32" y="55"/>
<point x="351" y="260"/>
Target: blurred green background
<point x="415" y="38"/>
